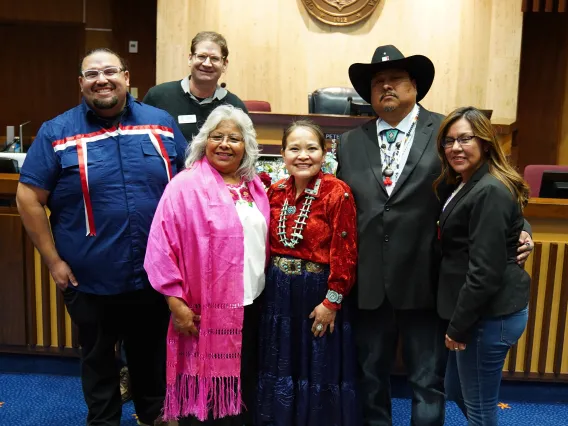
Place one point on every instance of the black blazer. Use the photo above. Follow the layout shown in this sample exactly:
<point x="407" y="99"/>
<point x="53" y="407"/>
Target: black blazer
<point x="397" y="234"/>
<point x="479" y="275"/>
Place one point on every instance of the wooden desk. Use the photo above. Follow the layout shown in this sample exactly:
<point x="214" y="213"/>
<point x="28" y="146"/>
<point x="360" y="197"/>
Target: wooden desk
<point x="8" y="183"/>
<point x="269" y="127"/>
<point x="547" y="208"/>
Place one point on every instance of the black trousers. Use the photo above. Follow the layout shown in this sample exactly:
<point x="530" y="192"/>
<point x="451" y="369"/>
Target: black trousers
<point x="249" y="374"/>
<point x="140" y="319"/>
<point x="424" y="355"/>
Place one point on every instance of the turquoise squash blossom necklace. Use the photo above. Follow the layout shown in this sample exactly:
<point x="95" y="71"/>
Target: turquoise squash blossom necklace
<point x="300" y="221"/>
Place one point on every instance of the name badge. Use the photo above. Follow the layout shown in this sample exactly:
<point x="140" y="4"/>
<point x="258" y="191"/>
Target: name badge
<point x="187" y="119"/>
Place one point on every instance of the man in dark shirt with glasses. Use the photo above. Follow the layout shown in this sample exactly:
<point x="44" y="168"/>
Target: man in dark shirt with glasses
<point x="191" y="100"/>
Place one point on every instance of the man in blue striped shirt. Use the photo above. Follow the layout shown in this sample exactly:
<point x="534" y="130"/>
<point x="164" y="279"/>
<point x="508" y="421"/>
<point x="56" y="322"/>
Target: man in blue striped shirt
<point x="101" y="168"/>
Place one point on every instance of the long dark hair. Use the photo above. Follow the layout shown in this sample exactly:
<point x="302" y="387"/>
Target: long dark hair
<point x="494" y="156"/>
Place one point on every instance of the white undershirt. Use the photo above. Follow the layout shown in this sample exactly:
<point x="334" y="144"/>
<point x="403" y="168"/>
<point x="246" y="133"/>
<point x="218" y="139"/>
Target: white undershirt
<point x="255" y="231"/>
<point x="403" y="127"/>
<point x="460" y="186"/>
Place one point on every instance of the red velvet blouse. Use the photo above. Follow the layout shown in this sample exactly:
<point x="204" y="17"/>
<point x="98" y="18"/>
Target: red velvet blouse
<point x="330" y="233"/>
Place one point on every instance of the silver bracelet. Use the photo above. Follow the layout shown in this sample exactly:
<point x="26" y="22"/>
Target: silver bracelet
<point x="334" y="296"/>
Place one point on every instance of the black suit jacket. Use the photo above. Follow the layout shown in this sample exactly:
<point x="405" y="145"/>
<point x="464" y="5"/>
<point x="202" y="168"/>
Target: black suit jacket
<point x="479" y="275"/>
<point x="398" y="254"/>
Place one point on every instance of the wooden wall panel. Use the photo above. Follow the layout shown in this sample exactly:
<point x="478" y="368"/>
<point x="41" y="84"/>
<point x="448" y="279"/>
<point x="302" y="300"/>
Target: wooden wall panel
<point x="136" y="20"/>
<point x="40" y="71"/>
<point x="98" y="14"/>
<point x="113" y="24"/>
<point x="279" y="53"/>
<point x="60" y="11"/>
<point x="41" y="60"/>
<point x="543" y="90"/>
<point x="563" y="117"/>
<point x="95" y="39"/>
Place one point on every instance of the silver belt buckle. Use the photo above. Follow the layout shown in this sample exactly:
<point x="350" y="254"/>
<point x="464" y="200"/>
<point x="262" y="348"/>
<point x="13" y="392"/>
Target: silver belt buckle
<point x="295" y="266"/>
<point x="289" y="266"/>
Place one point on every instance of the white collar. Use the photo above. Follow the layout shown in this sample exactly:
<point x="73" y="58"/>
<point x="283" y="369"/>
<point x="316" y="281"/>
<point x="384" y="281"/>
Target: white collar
<point x="220" y="92"/>
<point x="403" y="126"/>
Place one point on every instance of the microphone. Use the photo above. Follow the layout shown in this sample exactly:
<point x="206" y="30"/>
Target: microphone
<point x="223" y="85"/>
<point x="348" y="106"/>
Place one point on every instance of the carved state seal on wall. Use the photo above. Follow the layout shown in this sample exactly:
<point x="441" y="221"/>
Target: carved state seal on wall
<point x="340" y="12"/>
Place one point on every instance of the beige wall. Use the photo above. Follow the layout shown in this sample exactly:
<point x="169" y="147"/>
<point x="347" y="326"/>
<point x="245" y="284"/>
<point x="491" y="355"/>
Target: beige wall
<point x="279" y="53"/>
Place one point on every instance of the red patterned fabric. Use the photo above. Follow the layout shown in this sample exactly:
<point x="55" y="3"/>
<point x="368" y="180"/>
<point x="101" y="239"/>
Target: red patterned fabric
<point x="240" y="192"/>
<point x="330" y="234"/>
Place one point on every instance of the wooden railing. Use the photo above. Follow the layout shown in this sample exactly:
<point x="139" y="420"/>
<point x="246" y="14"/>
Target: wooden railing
<point x="542" y="351"/>
<point x="34" y="320"/>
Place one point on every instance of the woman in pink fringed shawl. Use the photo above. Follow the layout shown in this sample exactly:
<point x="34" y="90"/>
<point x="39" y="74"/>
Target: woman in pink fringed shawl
<point x="207" y="253"/>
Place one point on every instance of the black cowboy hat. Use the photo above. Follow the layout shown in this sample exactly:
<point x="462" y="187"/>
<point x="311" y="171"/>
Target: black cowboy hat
<point x="419" y="67"/>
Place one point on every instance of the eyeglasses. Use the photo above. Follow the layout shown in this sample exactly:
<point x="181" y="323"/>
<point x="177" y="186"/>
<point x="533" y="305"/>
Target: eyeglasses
<point x="448" y="142"/>
<point x="215" y="60"/>
<point x="108" y="72"/>
<point x="218" y="138"/>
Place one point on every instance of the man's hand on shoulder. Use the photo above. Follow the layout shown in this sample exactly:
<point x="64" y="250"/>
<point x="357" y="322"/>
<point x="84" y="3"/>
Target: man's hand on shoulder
<point x="526" y="246"/>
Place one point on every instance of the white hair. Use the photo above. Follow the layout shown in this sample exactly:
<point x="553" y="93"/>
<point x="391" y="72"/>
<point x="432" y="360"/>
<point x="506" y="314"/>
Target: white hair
<point x="196" y="150"/>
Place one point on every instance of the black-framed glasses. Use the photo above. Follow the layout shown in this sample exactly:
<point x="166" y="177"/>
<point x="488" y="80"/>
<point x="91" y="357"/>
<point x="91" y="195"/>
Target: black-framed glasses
<point x="108" y="72"/>
<point x="215" y="60"/>
<point x="448" y="142"/>
<point x="218" y="138"/>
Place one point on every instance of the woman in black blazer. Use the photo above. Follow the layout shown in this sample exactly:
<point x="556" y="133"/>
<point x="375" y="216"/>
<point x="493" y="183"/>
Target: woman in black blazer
<point x="482" y="290"/>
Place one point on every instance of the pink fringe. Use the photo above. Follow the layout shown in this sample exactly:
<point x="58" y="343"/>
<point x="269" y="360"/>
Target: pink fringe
<point x="192" y="396"/>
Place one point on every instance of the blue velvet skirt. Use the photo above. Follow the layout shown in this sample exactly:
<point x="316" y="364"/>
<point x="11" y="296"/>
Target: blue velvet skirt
<point x="304" y="380"/>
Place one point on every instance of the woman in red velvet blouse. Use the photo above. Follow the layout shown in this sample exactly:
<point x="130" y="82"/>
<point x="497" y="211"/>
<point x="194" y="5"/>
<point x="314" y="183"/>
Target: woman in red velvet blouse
<point x="307" y="365"/>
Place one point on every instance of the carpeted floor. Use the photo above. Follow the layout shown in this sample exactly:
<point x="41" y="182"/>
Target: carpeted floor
<point x="30" y="397"/>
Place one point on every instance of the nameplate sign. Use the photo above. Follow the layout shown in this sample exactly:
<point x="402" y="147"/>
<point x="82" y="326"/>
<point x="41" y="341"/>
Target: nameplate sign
<point x="340" y="12"/>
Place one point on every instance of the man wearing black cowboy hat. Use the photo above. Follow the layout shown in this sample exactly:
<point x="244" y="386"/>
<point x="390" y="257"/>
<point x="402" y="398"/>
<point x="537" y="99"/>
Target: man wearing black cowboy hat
<point x="390" y="164"/>
<point x="397" y="216"/>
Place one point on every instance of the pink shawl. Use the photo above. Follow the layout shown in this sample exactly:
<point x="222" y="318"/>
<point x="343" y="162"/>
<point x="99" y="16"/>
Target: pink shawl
<point x="196" y="252"/>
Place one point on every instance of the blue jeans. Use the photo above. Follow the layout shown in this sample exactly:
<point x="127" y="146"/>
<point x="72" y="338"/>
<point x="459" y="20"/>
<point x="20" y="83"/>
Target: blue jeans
<point x="473" y="376"/>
